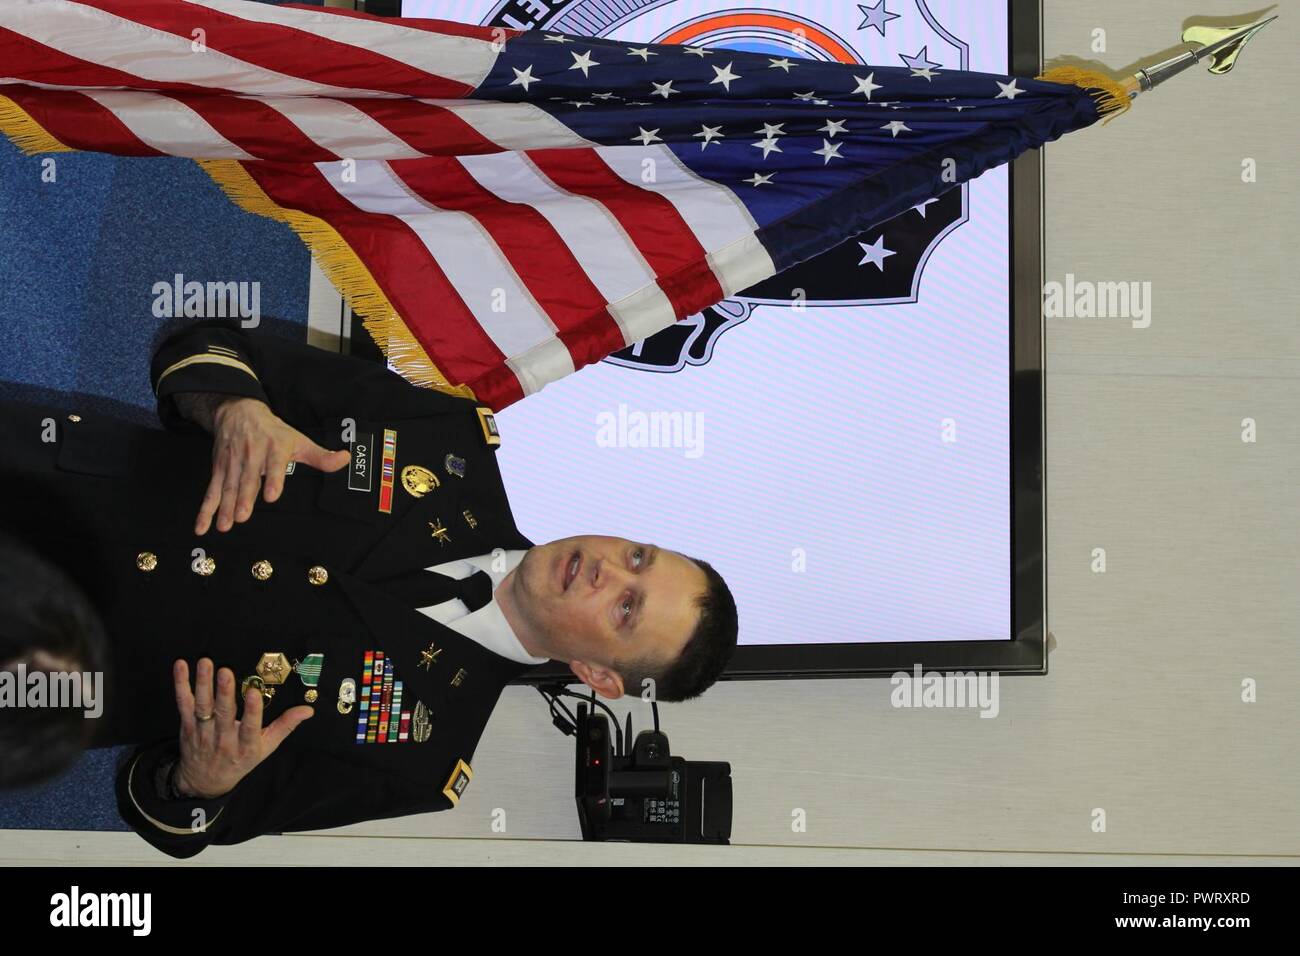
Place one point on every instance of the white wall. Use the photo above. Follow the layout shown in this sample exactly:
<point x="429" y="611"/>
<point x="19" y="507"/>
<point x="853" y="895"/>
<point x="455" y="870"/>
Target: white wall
<point x="1141" y="714"/>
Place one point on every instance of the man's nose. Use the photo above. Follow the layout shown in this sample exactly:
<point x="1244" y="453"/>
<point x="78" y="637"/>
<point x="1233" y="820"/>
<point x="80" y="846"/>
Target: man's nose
<point x="607" y="574"/>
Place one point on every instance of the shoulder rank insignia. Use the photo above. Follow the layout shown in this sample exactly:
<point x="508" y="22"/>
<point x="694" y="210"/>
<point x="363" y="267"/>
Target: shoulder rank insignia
<point x="489" y="424"/>
<point x="457" y="782"/>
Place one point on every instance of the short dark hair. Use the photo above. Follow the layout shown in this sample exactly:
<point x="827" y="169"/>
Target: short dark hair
<point x="42" y="610"/>
<point x="705" y="655"/>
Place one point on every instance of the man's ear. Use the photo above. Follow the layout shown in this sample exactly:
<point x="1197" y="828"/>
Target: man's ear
<point x="605" y="682"/>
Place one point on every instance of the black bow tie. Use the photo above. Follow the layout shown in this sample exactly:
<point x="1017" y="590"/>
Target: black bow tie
<point x="422" y="588"/>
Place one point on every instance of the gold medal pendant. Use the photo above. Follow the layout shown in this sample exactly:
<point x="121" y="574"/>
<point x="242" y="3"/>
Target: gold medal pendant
<point x="418" y="480"/>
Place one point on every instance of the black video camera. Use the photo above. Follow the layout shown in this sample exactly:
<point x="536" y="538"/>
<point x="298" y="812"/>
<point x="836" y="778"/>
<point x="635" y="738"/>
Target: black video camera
<point x="649" y="796"/>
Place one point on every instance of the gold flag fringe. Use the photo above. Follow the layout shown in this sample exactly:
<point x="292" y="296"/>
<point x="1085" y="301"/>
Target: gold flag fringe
<point x="1111" y="96"/>
<point x="335" y="257"/>
<point x="345" y="270"/>
<point x="24" y="132"/>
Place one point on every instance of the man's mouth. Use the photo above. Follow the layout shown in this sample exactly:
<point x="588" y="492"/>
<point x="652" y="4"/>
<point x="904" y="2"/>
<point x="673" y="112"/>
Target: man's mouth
<point x="571" y="569"/>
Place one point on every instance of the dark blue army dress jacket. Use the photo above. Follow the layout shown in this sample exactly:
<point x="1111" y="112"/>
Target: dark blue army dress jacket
<point x="293" y="599"/>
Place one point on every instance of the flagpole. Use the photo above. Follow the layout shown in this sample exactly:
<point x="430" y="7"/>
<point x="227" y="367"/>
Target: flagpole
<point x="1219" y="46"/>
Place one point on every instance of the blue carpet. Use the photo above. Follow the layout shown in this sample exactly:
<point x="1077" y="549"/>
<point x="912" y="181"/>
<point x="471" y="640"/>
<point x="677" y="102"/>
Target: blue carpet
<point x="78" y="259"/>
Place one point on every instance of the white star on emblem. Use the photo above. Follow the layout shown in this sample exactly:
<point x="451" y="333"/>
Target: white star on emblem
<point x="771" y="130"/>
<point x="644" y="52"/>
<point x="759" y="179"/>
<point x="959" y="108"/>
<point x="524" y="78"/>
<point x="896" y="126"/>
<point x="710" y="133"/>
<point x="648" y="136"/>
<point x="920" y="207"/>
<point x="781" y="64"/>
<point x="699" y="51"/>
<point x="578" y="103"/>
<point x="866" y="86"/>
<point x="876" y="253"/>
<point x="828" y="151"/>
<point x="583" y="63"/>
<point x="724" y="76"/>
<point x="664" y="89"/>
<point x="806" y="97"/>
<point x="603" y="96"/>
<point x="557" y="38"/>
<point x="925" y="72"/>
<point x="768" y="145"/>
<point x="834" y="126"/>
<point x="1009" y="90"/>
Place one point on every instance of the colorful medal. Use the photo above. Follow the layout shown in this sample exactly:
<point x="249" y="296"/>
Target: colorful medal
<point x="388" y="465"/>
<point x="308" y="670"/>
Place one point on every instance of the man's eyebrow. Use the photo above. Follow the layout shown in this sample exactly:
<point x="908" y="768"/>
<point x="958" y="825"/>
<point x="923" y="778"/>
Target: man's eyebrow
<point x="652" y="551"/>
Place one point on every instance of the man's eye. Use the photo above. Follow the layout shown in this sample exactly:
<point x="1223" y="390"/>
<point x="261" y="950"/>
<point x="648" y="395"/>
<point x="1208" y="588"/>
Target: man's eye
<point x="638" y="556"/>
<point x="626" y="607"/>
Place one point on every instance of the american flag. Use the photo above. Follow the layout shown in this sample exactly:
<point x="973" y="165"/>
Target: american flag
<point x="504" y="207"/>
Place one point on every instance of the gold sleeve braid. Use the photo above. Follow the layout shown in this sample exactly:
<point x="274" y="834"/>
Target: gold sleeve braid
<point x="166" y="828"/>
<point x="202" y="359"/>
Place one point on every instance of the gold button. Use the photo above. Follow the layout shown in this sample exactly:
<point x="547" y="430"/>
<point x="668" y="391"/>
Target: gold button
<point x="205" y="567"/>
<point x="74" y="418"/>
<point x="262" y="570"/>
<point x="146" y="560"/>
<point x="317" y="575"/>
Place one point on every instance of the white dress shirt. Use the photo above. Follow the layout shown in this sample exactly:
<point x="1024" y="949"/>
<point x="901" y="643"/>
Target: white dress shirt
<point x="488" y="625"/>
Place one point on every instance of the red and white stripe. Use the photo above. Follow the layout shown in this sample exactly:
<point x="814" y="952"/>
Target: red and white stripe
<point x="513" y="249"/>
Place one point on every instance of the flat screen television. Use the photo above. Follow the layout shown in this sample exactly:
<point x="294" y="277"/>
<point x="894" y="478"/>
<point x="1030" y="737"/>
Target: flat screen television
<point x="857" y="443"/>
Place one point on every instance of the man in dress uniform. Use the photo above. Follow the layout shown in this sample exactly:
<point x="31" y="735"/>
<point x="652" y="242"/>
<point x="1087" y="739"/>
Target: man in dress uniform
<point x="360" y="620"/>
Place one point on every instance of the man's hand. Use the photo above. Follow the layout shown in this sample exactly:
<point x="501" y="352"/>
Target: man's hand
<point x="249" y="441"/>
<point x="216" y="754"/>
